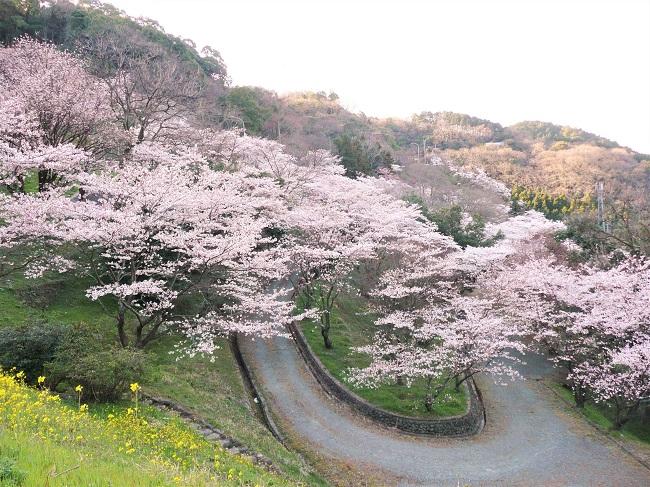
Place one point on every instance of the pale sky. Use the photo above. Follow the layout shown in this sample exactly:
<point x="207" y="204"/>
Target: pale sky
<point x="584" y="63"/>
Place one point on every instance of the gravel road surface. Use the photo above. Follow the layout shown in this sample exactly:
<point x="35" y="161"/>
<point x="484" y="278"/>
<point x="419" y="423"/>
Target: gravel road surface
<point x="530" y="438"/>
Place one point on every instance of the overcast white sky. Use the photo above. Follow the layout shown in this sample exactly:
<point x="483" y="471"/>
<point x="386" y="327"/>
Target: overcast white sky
<point x="584" y="63"/>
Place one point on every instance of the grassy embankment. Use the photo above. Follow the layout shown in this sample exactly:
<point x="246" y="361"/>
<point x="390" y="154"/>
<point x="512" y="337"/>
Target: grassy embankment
<point x="212" y="389"/>
<point x="45" y="441"/>
<point x="352" y="327"/>
<point x="636" y="429"/>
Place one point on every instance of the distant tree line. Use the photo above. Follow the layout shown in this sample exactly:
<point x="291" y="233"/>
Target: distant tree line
<point x="359" y="156"/>
<point x="71" y="25"/>
<point x="555" y="207"/>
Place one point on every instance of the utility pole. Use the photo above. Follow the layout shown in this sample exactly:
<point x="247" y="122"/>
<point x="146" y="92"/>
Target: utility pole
<point x="418" y="148"/>
<point x="600" y="198"/>
<point x="424" y="147"/>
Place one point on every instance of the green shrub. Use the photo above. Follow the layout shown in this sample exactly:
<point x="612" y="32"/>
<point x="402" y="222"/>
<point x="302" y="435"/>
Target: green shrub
<point x="30" y="347"/>
<point x="103" y="368"/>
<point x="40" y="296"/>
<point x="9" y="474"/>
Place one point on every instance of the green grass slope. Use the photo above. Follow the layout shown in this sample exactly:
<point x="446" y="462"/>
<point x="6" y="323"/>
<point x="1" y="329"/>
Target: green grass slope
<point x="210" y="387"/>
<point x="352" y="328"/>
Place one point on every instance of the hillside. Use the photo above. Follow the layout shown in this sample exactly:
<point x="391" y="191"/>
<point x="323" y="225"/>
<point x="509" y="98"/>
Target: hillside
<point x="548" y="160"/>
<point x="99" y="445"/>
<point x="166" y="239"/>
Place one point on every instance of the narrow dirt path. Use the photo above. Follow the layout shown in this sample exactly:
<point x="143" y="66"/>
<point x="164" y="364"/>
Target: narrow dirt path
<point x="529" y="440"/>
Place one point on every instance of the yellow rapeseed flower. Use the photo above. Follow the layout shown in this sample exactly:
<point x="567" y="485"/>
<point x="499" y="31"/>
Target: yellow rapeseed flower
<point x="135" y="387"/>
<point x="79" y="388"/>
<point x="41" y="379"/>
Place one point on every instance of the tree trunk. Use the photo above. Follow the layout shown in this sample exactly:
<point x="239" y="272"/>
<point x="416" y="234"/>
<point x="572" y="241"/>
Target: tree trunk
<point x="141" y="133"/>
<point x="124" y="340"/>
<point x="457" y="382"/>
<point x="43" y="179"/>
<point x="308" y="300"/>
<point x="580" y="397"/>
<point x="624" y="413"/>
<point x="325" y="329"/>
<point x="144" y="339"/>
<point x="620" y="419"/>
<point x="428" y="399"/>
<point x="428" y="403"/>
<point x="325" y="332"/>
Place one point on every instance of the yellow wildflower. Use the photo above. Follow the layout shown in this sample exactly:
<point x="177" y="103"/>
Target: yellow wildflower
<point x="135" y="387"/>
<point x="41" y="379"/>
<point x="79" y="388"/>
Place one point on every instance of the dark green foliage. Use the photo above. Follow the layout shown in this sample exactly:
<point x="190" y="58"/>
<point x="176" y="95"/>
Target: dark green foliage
<point x="450" y="223"/>
<point x="30" y="347"/>
<point x="553" y="207"/>
<point x="359" y="157"/>
<point x="79" y="21"/>
<point x="68" y="25"/>
<point x="583" y="230"/>
<point x="17" y="18"/>
<point x="10" y="475"/>
<point x="104" y="369"/>
<point x="40" y="296"/>
<point x="246" y="103"/>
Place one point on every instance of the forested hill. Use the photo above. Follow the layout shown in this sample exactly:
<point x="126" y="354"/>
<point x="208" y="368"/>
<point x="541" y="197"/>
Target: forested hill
<point x="551" y="168"/>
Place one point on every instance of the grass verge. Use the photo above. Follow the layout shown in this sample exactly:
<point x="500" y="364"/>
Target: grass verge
<point x="352" y="327"/>
<point x="211" y="387"/>
<point x="636" y="429"/>
<point x="45" y="441"/>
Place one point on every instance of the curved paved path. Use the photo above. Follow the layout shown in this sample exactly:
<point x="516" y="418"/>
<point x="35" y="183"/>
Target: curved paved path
<point x="529" y="440"/>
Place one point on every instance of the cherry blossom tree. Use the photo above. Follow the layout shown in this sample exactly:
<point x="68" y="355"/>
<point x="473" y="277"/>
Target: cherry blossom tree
<point x="341" y="223"/>
<point x="428" y="330"/>
<point x="515" y="230"/>
<point x="19" y="134"/>
<point x="234" y="151"/>
<point x="51" y="112"/>
<point x="582" y="316"/>
<point x="159" y="229"/>
<point x="431" y="327"/>
<point x="149" y="88"/>
<point x="622" y="381"/>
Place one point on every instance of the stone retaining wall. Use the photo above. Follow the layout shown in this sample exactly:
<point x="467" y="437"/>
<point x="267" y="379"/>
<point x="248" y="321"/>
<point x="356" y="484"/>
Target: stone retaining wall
<point x="470" y="423"/>
<point x="209" y="432"/>
<point x="254" y="390"/>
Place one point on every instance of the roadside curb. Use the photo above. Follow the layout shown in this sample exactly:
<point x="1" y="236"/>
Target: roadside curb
<point x="469" y="424"/>
<point x="254" y="390"/>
